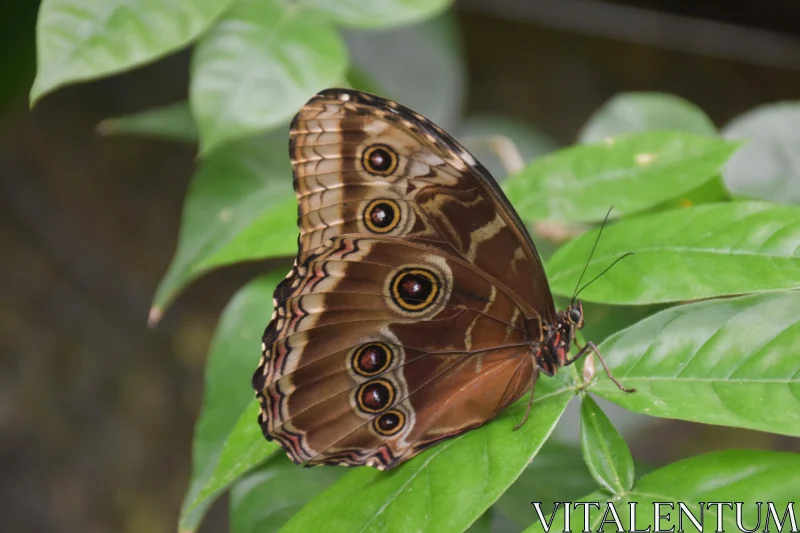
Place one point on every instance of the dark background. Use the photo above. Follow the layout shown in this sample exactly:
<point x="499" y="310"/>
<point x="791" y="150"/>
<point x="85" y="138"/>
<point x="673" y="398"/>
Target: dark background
<point x="96" y="410"/>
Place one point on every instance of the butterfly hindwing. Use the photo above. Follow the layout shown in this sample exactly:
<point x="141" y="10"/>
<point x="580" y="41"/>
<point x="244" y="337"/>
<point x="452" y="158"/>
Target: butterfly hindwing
<point x="370" y="312"/>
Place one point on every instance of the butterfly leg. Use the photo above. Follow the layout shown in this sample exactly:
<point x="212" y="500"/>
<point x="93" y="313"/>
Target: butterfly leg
<point x="530" y="400"/>
<point x="591" y="347"/>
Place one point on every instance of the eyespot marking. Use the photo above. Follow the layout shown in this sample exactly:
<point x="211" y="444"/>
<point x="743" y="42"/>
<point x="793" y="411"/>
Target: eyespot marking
<point x="375" y="396"/>
<point x="371" y="359"/>
<point x="379" y="159"/>
<point x="382" y="216"/>
<point x="389" y="423"/>
<point x="414" y="289"/>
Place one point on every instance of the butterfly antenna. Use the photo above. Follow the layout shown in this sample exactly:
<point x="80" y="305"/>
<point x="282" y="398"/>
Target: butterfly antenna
<point x="602" y="226"/>
<point x="620" y="258"/>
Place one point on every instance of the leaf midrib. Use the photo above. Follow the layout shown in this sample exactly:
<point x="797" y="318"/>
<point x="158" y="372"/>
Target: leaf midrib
<point x="712" y="251"/>
<point x="709" y="380"/>
<point x="562" y="272"/>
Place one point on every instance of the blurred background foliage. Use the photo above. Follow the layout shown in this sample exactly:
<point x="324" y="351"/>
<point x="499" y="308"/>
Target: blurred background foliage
<point x="98" y="409"/>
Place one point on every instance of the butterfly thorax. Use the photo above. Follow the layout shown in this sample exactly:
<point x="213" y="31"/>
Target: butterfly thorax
<point x="557" y="338"/>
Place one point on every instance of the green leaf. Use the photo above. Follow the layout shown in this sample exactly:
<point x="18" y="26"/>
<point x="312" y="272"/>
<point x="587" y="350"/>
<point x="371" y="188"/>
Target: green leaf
<point x="729" y="362"/>
<point x="605" y="451"/>
<point x="429" y="51"/>
<point x="557" y="473"/>
<point x="632" y="173"/>
<point x="686" y="254"/>
<point x="231" y="362"/>
<point x="378" y="13"/>
<point x="172" y="122"/>
<point x="258" y="66"/>
<point x="434" y="491"/>
<point x="642" y="111"/>
<point x="85" y="39"/>
<point x="729" y="475"/>
<point x="747" y="476"/>
<point x="234" y="188"/>
<point x="768" y="166"/>
<point x="261" y="502"/>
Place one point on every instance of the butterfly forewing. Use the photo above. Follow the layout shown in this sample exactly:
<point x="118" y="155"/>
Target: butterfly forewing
<point x="434" y="191"/>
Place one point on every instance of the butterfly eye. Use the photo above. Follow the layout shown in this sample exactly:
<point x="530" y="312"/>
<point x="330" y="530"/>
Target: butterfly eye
<point x="414" y="289"/>
<point x="575" y="315"/>
<point x="379" y="159"/>
<point x="389" y="422"/>
<point x="382" y="216"/>
<point x="375" y="396"/>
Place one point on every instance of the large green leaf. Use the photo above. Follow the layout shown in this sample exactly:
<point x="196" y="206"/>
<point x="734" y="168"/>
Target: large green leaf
<point x="261" y="502"/>
<point x="687" y="254"/>
<point x="231" y="362"/>
<point x="606" y="452"/>
<point x="642" y="111"/>
<point x="378" y="13"/>
<point x="746" y="476"/>
<point x="729" y="362"/>
<point x="172" y="122"/>
<point x="258" y="66"/>
<point x="436" y="491"/>
<point x="84" y="39"/>
<point x="632" y="172"/>
<point x="768" y="166"/>
<point x="234" y="188"/>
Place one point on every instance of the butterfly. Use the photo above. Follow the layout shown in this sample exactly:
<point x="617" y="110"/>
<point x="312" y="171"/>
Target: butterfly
<point x="417" y="307"/>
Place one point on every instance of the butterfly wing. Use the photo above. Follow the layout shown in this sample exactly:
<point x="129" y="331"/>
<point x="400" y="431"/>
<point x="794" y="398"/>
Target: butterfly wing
<point x="403" y="320"/>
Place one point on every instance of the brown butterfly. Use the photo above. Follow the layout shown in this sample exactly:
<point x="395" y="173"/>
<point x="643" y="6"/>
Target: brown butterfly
<point x="417" y="307"/>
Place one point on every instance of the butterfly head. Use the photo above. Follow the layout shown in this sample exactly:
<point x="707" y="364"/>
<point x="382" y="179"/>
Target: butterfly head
<point x="574" y="314"/>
